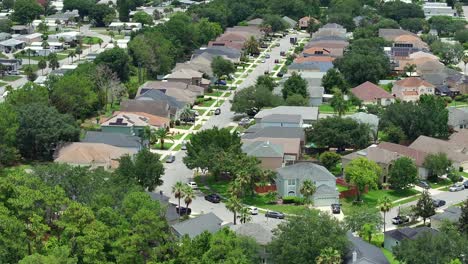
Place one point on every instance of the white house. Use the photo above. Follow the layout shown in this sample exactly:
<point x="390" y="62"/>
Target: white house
<point x="438" y="9"/>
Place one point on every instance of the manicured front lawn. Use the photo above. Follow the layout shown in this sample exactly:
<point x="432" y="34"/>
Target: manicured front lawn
<point x="326" y="108"/>
<point x="201" y="111"/>
<point x="91" y="40"/>
<point x="440" y="183"/>
<point x="389" y="256"/>
<point x="197" y="127"/>
<point x="215" y="93"/>
<point x="182" y="126"/>
<point x="2" y="84"/>
<point x="10" y="78"/>
<point x="207" y="103"/>
<point x="167" y="145"/>
<point x="238" y="82"/>
<point x="219" y="103"/>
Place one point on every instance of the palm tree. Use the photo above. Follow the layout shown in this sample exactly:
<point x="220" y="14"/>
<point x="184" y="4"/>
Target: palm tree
<point x="79" y="51"/>
<point x="45" y="44"/>
<point x="384" y="205"/>
<point x="244" y="215"/>
<point x="186" y="114"/>
<point x="178" y="191"/>
<point x="409" y="68"/>
<point x="338" y="102"/>
<point x="189" y="195"/>
<point x="112" y="34"/>
<point x="234" y="205"/>
<point x="161" y="134"/>
<point x="308" y="189"/>
<point x="99" y="42"/>
<point x="71" y="55"/>
<point x="328" y="256"/>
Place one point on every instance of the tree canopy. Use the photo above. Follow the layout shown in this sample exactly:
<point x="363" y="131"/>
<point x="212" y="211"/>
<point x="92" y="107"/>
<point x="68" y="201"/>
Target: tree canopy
<point x="117" y="60"/>
<point x="222" y="67"/>
<point x="25" y="11"/>
<point x="295" y="85"/>
<point x="258" y="96"/>
<point x="403" y="173"/>
<point x="362" y="173"/>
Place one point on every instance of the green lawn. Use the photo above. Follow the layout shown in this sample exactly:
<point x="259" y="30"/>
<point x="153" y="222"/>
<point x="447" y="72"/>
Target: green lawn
<point x="238" y="82"/>
<point x="201" y="111"/>
<point x="91" y="40"/>
<point x="197" y="127"/>
<point x="276" y="67"/>
<point x="389" y="256"/>
<point x="250" y="70"/>
<point x="2" y="84"/>
<point x="34" y="67"/>
<point x="440" y="183"/>
<point x="227" y="94"/>
<point x="178" y="136"/>
<point x="219" y="103"/>
<point x="341" y="188"/>
<point x="215" y="93"/>
<point x="458" y="104"/>
<point x="182" y="126"/>
<point x="326" y="108"/>
<point x="167" y="145"/>
<point x="10" y="78"/>
<point x="207" y="103"/>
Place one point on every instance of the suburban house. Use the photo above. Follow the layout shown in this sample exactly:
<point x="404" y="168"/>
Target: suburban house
<point x="438" y="9"/>
<point x="195" y="226"/>
<point x="171" y="214"/>
<point x="11" y="45"/>
<point x="370" y="93"/>
<point x="371" y="120"/>
<point x="226" y="53"/>
<point x="21" y="29"/>
<point x="181" y="91"/>
<point x="132" y="124"/>
<point x="157" y="108"/>
<point x="262" y="235"/>
<point x="128" y="26"/>
<point x="201" y="64"/>
<point x="305" y="22"/>
<point x="290" y="178"/>
<point x="257" y="131"/>
<point x="394" y="237"/>
<point x="11" y="64"/>
<point x="458" y="117"/>
<point x="308" y="114"/>
<point x="292" y="148"/>
<point x="411" y="88"/>
<point x="323" y="51"/>
<point x="314" y="87"/>
<point x="95" y="155"/>
<point x="390" y="34"/>
<point x="131" y="143"/>
<point x="417" y="156"/>
<point x="456" y="152"/>
<point x="451" y="214"/>
<point x="175" y="106"/>
<point x="310" y="66"/>
<point x="460" y="137"/>
<point x="232" y="45"/>
<point x="188" y="76"/>
<point x="289" y="21"/>
<point x="281" y="120"/>
<point x="361" y="252"/>
<point x="270" y="155"/>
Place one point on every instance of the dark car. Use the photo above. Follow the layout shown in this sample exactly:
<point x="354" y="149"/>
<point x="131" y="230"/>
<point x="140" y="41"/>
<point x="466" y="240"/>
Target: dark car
<point x="438" y="203"/>
<point x="170" y="159"/>
<point x="336" y="209"/>
<point x="183" y="210"/>
<point x="217" y="111"/>
<point x="273" y="214"/>
<point x="276" y="61"/>
<point x="220" y="82"/>
<point x="280" y="74"/>
<point x="283" y="53"/>
<point x="214" y="198"/>
<point x="400" y="220"/>
<point x="466" y="184"/>
<point x="423" y="184"/>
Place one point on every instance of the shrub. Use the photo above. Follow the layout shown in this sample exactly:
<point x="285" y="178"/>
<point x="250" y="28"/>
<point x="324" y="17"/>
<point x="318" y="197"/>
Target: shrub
<point x="177" y="122"/>
<point x="289" y="199"/>
<point x="209" y="90"/>
<point x="330" y="159"/>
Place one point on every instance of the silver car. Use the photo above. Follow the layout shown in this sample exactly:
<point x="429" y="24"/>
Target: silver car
<point x="457" y="187"/>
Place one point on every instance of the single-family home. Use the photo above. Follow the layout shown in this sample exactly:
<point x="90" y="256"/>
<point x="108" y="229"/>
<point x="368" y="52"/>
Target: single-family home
<point x="270" y="155"/>
<point x="460" y="137"/>
<point x="281" y="120"/>
<point x="131" y="123"/>
<point x="11" y="45"/>
<point x="411" y="88"/>
<point x="304" y="22"/>
<point x="458" y="117"/>
<point x="361" y="252"/>
<point x="175" y="106"/>
<point x="370" y="93"/>
<point x="451" y="214"/>
<point x="289" y="181"/>
<point x="4" y="36"/>
<point x="395" y="236"/>
<point x="11" y="64"/>
<point x="95" y="155"/>
<point x="30" y="38"/>
<point x="181" y="91"/>
<point x="371" y="120"/>
<point x="201" y="64"/>
<point x="389" y="34"/>
<point x="132" y="143"/>
<point x="417" y="156"/>
<point x="438" y="9"/>
<point x="455" y="151"/>
<point x="309" y="114"/>
<point x="193" y="227"/>
<point x="292" y="147"/>
<point x="21" y="29"/>
<point x="233" y="37"/>
<point x="289" y="21"/>
<point x="261" y="233"/>
<point x="314" y="87"/>
<point x="157" y="108"/>
<point x="69" y="37"/>
<point x="257" y="131"/>
<point x="310" y="66"/>
<point x="188" y="76"/>
<point x="227" y="44"/>
<point x="171" y="214"/>
<point x="227" y="53"/>
<point x="128" y="26"/>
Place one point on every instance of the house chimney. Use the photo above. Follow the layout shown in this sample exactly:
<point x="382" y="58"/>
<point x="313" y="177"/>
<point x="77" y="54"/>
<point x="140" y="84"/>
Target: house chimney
<point x="354" y="256"/>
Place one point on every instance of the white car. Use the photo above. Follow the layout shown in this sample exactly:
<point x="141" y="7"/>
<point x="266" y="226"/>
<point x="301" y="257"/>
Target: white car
<point x="253" y="210"/>
<point x="457" y="187"/>
<point x="192" y="185"/>
<point x="263" y="61"/>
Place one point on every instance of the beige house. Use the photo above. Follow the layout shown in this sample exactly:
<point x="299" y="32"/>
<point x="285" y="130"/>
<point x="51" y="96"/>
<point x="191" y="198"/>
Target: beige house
<point x="305" y="22"/>
<point x="370" y="93"/>
<point x="411" y="88"/>
<point x="291" y="148"/>
<point x="270" y="154"/>
<point x="188" y="76"/>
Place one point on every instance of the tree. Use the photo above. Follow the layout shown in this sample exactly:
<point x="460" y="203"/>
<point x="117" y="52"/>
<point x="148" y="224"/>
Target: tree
<point x="53" y="61"/>
<point x="414" y="24"/>
<point x="5" y="25"/>
<point x="384" y="204"/>
<point x="161" y="135"/>
<point x="30" y="74"/>
<point x="100" y="13"/>
<point x="146" y="169"/>
<point x="333" y="79"/>
<point x="186" y="114"/>
<point x="222" y="67"/>
<point x="234" y="205"/>
<point x="79" y="51"/>
<point x="403" y="173"/>
<point x="71" y="55"/>
<point x="437" y="165"/>
<point x="308" y="189"/>
<point x="254" y="97"/>
<point x="178" y="191"/>
<point x="394" y="134"/>
<point x="25" y="11"/>
<point x="266" y="81"/>
<point x="295" y="85"/>
<point x="347" y="133"/>
<point x="275" y="22"/>
<point x="84" y="7"/>
<point x="109" y="86"/>
<point x="367" y="231"/>
<point x="361" y="215"/>
<point x="9" y="125"/>
<point x="461" y="36"/>
<point x="43" y="27"/>
<point x="362" y="173"/>
<point x="448" y="53"/>
<point x="189" y="195"/>
<point x="328" y="256"/>
<point x="117" y="60"/>
<point x="339" y="103"/>
<point x="463" y="220"/>
<point x="425" y="206"/>
<point x="143" y="18"/>
<point x="314" y="231"/>
<point x="245" y="215"/>
<point x="8" y="4"/>
<point x="251" y="46"/>
<point x="329" y="159"/>
<point x="42" y="64"/>
<point x="42" y="129"/>
<point x="297" y="100"/>
<point x="400" y="10"/>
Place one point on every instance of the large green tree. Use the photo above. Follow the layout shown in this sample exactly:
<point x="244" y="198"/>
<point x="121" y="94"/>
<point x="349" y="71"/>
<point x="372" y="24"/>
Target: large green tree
<point x="25" y="11"/>
<point x="84" y="7"/>
<point x="295" y="85"/>
<point x="98" y="14"/>
<point x="361" y="215"/>
<point x="437" y="165"/>
<point x="333" y="79"/>
<point x="222" y="67"/>
<point x="143" y="18"/>
<point x="9" y="125"/>
<point x="463" y="220"/>
<point x="403" y="173"/>
<point x="314" y="231"/>
<point x="362" y="173"/>
<point x="252" y="97"/>
<point x="425" y="206"/>
<point x="400" y="10"/>
<point x="117" y="60"/>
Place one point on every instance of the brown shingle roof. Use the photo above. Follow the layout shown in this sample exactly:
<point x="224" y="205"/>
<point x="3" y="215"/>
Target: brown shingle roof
<point x="152" y="120"/>
<point x="413" y="82"/>
<point x="416" y="155"/>
<point x="314" y="58"/>
<point x="410" y="93"/>
<point x="369" y="92"/>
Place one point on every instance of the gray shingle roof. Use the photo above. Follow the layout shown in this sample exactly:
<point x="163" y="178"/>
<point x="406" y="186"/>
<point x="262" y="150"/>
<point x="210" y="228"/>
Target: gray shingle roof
<point x="158" y="95"/>
<point x="291" y="22"/>
<point x="277" y="132"/>
<point x="193" y="227"/>
<point x="285" y="118"/>
<point x="308" y="113"/>
<point x="366" y="253"/>
<point x="262" y="149"/>
<point x="146" y="106"/>
<point x="305" y="170"/>
<point x="257" y="231"/>
<point x="322" y="66"/>
<point x="451" y="214"/>
<point x="218" y="51"/>
<point x="113" y="139"/>
<point x="409" y="232"/>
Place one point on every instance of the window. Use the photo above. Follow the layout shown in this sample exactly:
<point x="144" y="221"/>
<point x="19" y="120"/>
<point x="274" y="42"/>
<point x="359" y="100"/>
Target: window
<point x="291" y="182"/>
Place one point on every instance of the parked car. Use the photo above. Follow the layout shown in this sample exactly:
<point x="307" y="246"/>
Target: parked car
<point x="244" y="121"/>
<point x="423" y="184"/>
<point x="457" y="187"/>
<point x="438" y="203"/>
<point x="214" y="198"/>
<point x="183" y="210"/>
<point x="278" y="44"/>
<point x="253" y="210"/>
<point x="267" y="56"/>
<point x="192" y="185"/>
<point x="263" y="61"/>
<point x="184" y="146"/>
<point x="273" y="214"/>
<point x="283" y="53"/>
<point x="336" y="209"/>
<point x="280" y="74"/>
<point x="217" y="111"/>
<point x="400" y="220"/>
<point x="466" y="184"/>
<point x="170" y="159"/>
<point x="220" y="82"/>
<point x="276" y="61"/>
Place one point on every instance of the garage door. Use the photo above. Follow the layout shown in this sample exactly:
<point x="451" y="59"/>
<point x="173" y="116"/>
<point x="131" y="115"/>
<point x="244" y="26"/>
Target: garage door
<point x="325" y="201"/>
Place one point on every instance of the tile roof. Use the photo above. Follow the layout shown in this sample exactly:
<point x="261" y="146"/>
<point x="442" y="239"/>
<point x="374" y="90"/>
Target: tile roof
<point x="232" y="36"/>
<point x="390" y="34"/>
<point x="410" y="93"/>
<point x="417" y="155"/>
<point x="305" y="170"/>
<point x="369" y="92"/>
<point x="313" y="50"/>
<point x="375" y="154"/>
<point x="460" y="137"/>
<point x="413" y="82"/>
<point x="195" y="226"/>
<point x="263" y="149"/>
<point x="113" y="139"/>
